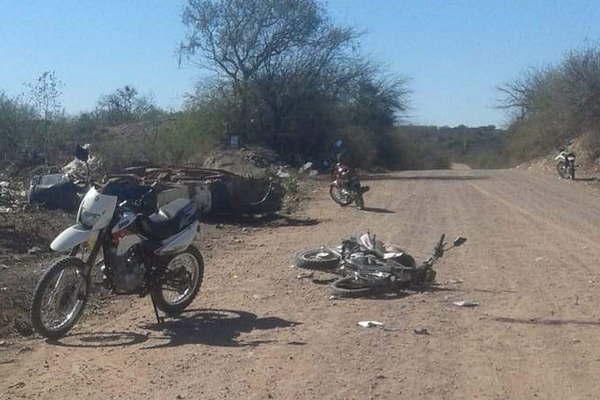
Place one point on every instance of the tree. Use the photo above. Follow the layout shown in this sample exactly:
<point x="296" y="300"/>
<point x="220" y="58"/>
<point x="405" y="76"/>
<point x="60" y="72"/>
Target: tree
<point x="44" y="94"/>
<point x="124" y="105"/>
<point x="243" y="40"/>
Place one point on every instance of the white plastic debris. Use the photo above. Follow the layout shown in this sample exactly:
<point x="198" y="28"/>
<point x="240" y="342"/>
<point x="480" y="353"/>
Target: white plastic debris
<point x="466" y="303"/>
<point x="305" y="275"/>
<point x="370" y="324"/>
<point x="306" y="166"/>
<point x="4" y="184"/>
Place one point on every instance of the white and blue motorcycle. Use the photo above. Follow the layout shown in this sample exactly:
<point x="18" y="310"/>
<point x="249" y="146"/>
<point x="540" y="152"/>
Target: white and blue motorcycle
<point x="142" y="250"/>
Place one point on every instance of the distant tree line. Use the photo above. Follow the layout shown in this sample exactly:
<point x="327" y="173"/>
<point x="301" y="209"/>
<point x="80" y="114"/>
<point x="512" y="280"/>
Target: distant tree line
<point x="549" y="106"/>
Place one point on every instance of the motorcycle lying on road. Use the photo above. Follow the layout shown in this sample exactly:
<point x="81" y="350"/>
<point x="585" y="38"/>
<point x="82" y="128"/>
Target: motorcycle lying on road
<point x="345" y="187"/>
<point x="145" y="250"/>
<point x="566" y="164"/>
<point x="367" y="265"/>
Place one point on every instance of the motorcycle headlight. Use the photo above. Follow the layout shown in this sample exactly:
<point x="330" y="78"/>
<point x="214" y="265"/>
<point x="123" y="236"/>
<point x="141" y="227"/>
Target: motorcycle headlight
<point x="88" y="218"/>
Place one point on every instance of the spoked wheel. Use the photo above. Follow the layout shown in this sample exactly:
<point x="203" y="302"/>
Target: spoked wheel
<point x="340" y="195"/>
<point x="182" y="280"/>
<point x="562" y="169"/>
<point x="348" y="286"/>
<point x="319" y="259"/>
<point x="59" y="298"/>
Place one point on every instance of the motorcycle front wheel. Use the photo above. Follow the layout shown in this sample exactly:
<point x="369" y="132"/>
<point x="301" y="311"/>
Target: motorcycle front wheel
<point x="59" y="298"/>
<point x="561" y="168"/>
<point x="350" y="287"/>
<point x="181" y="282"/>
<point x="338" y="195"/>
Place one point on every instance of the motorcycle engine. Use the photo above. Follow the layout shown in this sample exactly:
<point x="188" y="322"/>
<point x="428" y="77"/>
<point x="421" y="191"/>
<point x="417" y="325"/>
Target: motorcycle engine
<point x="128" y="270"/>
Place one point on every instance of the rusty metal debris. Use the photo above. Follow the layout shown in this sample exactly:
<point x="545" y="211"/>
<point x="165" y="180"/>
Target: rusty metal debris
<point x="215" y="191"/>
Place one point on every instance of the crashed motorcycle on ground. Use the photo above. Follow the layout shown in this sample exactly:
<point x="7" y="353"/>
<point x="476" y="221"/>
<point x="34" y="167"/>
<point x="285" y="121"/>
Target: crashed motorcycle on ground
<point x="142" y="250"/>
<point x="345" y="187"/>
<point x="566" y="164"/>
<point x="367" y="265"/>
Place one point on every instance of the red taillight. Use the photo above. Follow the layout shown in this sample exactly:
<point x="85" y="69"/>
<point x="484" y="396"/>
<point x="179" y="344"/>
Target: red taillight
<point x="117" y="236"/>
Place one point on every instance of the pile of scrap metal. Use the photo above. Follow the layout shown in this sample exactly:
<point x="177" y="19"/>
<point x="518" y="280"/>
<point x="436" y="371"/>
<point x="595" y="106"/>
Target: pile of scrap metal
<point x="215" y="191"/>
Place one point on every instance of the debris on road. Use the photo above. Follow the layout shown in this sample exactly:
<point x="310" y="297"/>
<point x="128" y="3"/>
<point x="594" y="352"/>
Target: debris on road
<point x="466" y="303"/>
<point x="305" y="275"/>
<point x="370" y="324"/>
<point x="421" y="331"/>
<point x="34" y="250"/>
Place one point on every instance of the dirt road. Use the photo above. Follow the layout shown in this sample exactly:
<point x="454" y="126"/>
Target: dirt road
<point x="257" y="332"/>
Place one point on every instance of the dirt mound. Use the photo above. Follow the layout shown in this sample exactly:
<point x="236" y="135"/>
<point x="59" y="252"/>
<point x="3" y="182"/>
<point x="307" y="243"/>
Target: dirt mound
<point x="248" y="161"/>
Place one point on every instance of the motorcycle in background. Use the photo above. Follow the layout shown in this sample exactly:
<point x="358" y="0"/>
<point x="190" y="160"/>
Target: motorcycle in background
<point x="345" y="187"/>
<point x="566" y="164"/>
<point x="145" y="250"/>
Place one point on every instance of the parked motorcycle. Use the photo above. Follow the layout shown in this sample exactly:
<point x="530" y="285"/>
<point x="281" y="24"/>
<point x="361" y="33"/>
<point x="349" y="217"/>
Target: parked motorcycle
<point x="367" y="264"/>
<point x="566" y="164"/>
<point x="145" y="250"/>
<point x="345" y="187"/>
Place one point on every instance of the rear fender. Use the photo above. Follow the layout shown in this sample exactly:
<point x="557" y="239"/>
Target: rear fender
<point x="178" y="242"/>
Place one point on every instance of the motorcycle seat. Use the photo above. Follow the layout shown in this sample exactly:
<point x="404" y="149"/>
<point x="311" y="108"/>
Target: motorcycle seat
<point x="170" y="219"/>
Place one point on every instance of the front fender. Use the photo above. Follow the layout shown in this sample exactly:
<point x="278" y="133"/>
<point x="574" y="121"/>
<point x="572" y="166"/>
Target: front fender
<point x="71" y="237"/>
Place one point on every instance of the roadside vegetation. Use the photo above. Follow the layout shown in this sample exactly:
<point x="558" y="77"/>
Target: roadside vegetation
<point x="284" y="76"/>
<point x="553" y="105"/>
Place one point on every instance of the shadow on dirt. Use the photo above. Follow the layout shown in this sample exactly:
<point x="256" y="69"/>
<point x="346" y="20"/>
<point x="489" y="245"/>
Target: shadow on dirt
<point x="214" y="328"/>
<point x="548" y="322"/>
<point x="210" y="327"/>
<point x="378" y="210"/>
<point x="99" y="339"/>
<point x="270" y="220"/>
<point x="422" y="177"/>
<point x="590" y="179"/>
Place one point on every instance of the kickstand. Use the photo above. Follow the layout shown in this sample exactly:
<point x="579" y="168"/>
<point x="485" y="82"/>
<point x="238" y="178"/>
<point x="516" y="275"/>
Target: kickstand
<point x="159" y="319"/>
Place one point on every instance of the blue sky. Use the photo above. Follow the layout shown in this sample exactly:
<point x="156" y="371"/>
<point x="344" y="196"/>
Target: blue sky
<point x="454" y="52"/>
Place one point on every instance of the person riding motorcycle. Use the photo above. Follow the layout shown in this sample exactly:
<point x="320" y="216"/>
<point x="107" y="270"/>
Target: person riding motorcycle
<point x="352" y="191"/>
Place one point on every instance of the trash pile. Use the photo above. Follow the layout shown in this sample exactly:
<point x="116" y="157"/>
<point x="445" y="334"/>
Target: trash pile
<point x="214" y="191"/>
<point x="247" y="162"/>
<point x="12" y="197"/>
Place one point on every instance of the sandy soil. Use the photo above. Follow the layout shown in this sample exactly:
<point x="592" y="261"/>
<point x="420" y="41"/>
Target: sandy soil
<point x="256" y="331"/>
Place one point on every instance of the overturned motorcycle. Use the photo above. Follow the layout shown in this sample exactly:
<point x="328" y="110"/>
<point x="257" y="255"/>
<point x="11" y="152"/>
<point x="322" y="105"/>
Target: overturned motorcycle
<point x="144" y="250"/>
<point x="367" y="265"/>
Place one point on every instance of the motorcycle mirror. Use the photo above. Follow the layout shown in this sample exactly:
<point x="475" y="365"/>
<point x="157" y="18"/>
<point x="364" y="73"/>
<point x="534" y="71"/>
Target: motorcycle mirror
<point x="82" y="153"/>
<point x="459" y="241"/>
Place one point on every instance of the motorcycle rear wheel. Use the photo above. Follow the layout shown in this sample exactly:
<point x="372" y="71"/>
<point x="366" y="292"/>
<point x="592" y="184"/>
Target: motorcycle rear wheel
<point x="360" y="202"/>
<point x="318" y="259"/>
<point x="178" y="265"/>
<point x="71" y="300"/>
